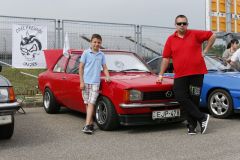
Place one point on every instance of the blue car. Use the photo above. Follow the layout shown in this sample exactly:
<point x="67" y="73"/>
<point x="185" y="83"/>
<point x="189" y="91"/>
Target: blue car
<point x="221" y="86"/>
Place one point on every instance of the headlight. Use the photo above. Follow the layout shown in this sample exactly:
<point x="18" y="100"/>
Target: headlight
<point x="133" y="95"/>
<point x="7" y="95"/>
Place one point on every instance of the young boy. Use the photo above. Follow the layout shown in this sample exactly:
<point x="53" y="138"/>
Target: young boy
<point x="89" y="71"/>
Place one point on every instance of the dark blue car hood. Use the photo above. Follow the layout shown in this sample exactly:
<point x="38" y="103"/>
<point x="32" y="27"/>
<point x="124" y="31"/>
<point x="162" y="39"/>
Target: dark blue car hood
<point x="227" y="80"/>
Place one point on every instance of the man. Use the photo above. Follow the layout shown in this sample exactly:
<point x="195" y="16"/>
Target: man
<point x="184" y="47"/>
<point x="235" y="60"/>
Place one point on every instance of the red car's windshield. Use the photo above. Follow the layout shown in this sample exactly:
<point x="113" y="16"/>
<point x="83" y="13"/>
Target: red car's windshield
<point x="124" y="62"/>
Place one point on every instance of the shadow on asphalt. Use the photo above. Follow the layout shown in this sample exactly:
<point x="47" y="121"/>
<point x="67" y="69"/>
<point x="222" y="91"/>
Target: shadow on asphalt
<point x="156" y="127"/>
<point x="152" y="128"/>
<point x="132" y="129"/>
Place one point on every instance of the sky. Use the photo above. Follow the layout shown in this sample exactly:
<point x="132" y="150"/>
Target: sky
<point x="140" y="12"/>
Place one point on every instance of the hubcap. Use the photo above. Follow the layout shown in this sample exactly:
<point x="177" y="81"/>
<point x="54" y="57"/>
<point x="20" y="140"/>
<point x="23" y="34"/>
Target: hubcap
<point x="219" y="103"/>
<point x="101" y="112"/>
<point x="46" y="100"/>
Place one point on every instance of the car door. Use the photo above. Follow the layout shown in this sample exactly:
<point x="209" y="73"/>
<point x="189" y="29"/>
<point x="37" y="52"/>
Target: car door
<point x="73" y="93"/>
<point x="59" y="80"/>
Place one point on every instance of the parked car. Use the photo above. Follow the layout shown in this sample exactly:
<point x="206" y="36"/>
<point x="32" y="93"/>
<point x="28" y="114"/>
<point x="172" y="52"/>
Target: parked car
<point x="221" y="89"/>
<point x="8" y="106"/>
<point x="131" y="98"/>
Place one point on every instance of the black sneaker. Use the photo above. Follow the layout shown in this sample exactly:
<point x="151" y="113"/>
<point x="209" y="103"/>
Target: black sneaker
<point x="87" y="129"/>
<point x="91" y="127"/>
<point x="204" y="123"/>
<point x="192" y="129"/>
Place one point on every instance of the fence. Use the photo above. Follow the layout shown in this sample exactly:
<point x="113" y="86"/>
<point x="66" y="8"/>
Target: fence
<point x="146" y="41"/>
<point x="115" y="36"/>
<point x="6" y="24"/>
<point x="153" y="39"/>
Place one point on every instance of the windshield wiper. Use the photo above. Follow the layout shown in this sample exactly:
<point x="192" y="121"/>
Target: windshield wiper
<point x="213" y="70"/>
<point x="228" y="70"/>
<point x="125" y="70"/>
<point x="110" y="70"/>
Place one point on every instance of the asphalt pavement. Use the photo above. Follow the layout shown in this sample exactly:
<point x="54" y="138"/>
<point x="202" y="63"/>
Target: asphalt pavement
<point x="41" y="136"/>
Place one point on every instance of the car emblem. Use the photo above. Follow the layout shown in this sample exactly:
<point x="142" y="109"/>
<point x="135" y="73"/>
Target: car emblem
<point x="169" y="94"/>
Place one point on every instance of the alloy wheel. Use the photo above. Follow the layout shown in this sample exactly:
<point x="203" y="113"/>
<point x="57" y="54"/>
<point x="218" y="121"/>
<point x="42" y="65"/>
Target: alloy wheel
<point x="46" y="100"/>
<point x="219" y="103"/>
<point x="101" y="112"/>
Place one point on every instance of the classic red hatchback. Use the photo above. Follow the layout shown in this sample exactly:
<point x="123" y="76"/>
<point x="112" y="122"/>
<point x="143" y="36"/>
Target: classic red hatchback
<point x="131" y="98"/>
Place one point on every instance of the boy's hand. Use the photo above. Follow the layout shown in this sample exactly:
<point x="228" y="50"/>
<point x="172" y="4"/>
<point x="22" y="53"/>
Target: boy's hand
<point x="107" y="79"/>
<point x="82" y="86"/>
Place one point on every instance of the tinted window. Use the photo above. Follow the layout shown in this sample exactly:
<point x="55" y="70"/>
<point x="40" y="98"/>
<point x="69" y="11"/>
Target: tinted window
<point x="60" y="66"/>
<point x="73" y="64"/>
<point x="155" y="65"/>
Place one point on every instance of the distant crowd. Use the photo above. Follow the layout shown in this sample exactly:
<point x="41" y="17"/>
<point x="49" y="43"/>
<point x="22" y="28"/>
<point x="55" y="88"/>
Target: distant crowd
<point x="231" y="55"/>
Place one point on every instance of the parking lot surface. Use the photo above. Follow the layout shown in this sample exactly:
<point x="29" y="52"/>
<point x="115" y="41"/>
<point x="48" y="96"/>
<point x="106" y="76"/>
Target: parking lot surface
<point x="40" y="136"/>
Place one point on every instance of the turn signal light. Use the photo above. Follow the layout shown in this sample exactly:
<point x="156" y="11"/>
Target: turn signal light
<point x="11" y="94"/>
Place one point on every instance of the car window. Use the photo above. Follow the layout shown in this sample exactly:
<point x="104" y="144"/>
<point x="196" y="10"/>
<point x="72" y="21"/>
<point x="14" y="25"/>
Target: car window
<point x="60" y="66"/>
<point x="73" y="64"/>
<point x="155" y="65"/>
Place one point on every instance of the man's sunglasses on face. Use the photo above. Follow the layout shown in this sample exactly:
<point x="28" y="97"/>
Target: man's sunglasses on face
<point x="182" y="23"/>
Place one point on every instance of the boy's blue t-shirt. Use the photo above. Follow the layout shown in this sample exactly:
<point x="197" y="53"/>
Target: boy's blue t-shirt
<point x="92" y="66"/>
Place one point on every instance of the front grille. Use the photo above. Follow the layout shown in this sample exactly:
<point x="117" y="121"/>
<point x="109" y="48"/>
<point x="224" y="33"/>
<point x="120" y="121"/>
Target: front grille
<point x="159" y="95"/>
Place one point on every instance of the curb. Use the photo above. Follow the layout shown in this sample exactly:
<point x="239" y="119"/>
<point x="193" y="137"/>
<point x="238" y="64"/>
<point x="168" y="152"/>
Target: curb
<point x="31" y="101"/>
<point x="31" y="104"/>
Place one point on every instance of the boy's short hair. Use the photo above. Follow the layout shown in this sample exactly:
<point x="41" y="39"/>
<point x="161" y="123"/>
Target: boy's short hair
<point x="96" y="36"/>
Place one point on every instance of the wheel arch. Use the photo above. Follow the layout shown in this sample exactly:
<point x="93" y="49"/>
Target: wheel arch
<point x="48" y="86"/>
<point x="112" y="122"/>
<point x="213" y="89"/>
<point x="230" y="107"/>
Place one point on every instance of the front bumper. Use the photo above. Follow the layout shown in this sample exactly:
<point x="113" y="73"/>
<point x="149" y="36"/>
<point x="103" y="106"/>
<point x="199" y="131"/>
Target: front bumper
<point x="145" y="119"/>
<point x="6" y="108"/>
<point x="151" y="105"/>
<point x="6" y="112"/>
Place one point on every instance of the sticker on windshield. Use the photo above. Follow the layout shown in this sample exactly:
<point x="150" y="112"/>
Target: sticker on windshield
<point x="119" y="64"/>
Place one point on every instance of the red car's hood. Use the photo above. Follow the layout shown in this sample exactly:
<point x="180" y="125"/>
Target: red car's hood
<point x="142" y="81"/>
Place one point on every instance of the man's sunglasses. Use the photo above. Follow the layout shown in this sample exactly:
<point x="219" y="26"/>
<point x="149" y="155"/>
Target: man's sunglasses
<point x="182" y="23"/>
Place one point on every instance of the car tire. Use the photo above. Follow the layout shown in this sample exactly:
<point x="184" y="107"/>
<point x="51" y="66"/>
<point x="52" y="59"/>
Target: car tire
<point x="6" y="131"/>
<point x="49" y="102"/>
<point x="220" y="103"/>
<point x="105" y="114"/>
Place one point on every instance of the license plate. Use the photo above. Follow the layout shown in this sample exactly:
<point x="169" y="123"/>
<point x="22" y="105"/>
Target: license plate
<point x="165" y="114"/>
<point x="5" y="119"/>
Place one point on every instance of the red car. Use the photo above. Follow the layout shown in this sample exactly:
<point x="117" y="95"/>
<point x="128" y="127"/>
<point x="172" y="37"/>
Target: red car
<point x="131" y="98"/>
